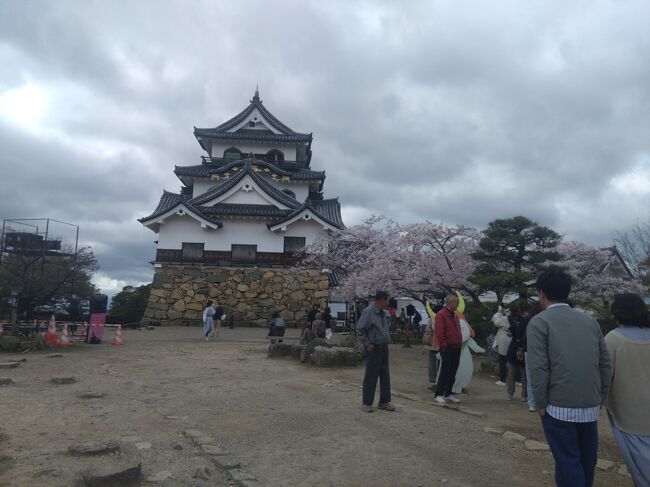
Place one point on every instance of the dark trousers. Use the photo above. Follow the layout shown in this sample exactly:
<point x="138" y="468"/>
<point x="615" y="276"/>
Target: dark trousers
<point x="515" y="370"/>
<point x="503" y="371"/>
<point x="450" y="361"/>
<point x="377" y="368"/>
<point x="575" y="448"/>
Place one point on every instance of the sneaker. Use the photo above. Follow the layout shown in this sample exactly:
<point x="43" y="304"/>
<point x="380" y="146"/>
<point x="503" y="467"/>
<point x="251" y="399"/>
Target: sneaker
<point x="500" y="383"/>
<point x="453" y="399"/>
<point x="386" y="407"/>
<point x="440" y="400"/>
<point x="532" y="409"/>
<point x="367" y="409"/>
<point x="509" y="398"/>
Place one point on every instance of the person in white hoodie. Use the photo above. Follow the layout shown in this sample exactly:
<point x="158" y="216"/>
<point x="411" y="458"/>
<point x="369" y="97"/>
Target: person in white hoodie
<point x="502" y="342"/>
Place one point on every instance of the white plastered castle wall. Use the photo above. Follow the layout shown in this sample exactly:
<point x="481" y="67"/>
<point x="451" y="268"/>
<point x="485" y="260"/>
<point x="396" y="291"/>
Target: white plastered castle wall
<point x="179" y="229"/>
<point x="289" y="150"/>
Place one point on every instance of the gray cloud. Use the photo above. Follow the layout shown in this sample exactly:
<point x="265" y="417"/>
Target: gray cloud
<point x="442" y="111"/>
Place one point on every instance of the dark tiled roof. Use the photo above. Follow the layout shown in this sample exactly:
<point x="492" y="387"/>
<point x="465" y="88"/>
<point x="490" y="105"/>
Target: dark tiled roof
<point x="167" y="202"/>
<point x="197" y="171"/>
<point x="328" y="210"/>
<point x="597" y="265"/>
<point x="227" y="209"/>
<point x="336" y="278"/>
<point x="247" y="169"/>
<point x="224" y="130"/>
<point x="252" y="135"/>
<point x="170" y="200"/>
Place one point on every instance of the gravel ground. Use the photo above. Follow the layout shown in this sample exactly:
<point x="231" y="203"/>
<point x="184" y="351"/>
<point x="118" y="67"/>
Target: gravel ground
<point x="287" y="424"/>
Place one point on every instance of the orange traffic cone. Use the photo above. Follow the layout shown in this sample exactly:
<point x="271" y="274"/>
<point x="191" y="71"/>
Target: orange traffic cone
<point x="65" y="339"/>
<point x="51" y="338"/>
<point x="118" y="337"/>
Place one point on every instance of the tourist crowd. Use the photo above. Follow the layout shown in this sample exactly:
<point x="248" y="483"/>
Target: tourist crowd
<point x="567" y="370"/>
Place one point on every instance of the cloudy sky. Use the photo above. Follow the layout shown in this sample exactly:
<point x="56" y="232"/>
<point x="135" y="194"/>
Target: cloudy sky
<point x="449" y="111"/>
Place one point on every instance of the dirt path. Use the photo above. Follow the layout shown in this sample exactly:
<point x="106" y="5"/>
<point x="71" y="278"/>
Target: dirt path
<point x="287" y="424"/>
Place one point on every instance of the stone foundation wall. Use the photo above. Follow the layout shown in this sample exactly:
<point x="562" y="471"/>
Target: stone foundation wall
<point x="249" y="295"/>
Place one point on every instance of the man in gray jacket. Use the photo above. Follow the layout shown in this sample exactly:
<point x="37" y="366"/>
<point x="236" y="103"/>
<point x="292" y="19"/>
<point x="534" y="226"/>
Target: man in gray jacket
<point x="374" y="333"/>
<point x="570" y="372"/>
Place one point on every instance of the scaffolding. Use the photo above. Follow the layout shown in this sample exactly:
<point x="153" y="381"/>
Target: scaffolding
<point x="39" y="239"/>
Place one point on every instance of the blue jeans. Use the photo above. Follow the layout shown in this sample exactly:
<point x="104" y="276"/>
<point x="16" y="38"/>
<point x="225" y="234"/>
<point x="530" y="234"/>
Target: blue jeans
<point x="575" y="449"/>
<point x="529" y="386"/>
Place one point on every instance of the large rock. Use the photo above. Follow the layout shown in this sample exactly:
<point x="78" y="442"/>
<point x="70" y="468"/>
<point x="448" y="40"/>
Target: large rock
<point x="346" y="356"/>
<point x="9" y="343"/>
<point x="279" y="350"/>
<point x="324" y="357"/>
<point x="350" y="341"/>
<point x="309" y="348"/>
<point x="125" y="475"/>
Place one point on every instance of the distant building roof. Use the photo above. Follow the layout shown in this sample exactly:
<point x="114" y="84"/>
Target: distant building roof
<point x="595" y="265"/>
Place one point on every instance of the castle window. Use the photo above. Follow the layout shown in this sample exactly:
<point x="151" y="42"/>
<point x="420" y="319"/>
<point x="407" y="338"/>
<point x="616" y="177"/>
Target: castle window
<point x="243" y="253"/>
<point x="232" y="154"/>
<point x="192" y="251"/>
<point x="274" y="155"/>
<point x="294" y="244"/>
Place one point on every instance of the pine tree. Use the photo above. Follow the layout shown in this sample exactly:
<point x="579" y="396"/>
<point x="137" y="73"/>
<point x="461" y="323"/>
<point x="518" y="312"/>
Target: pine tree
<point x="511" y="253"/>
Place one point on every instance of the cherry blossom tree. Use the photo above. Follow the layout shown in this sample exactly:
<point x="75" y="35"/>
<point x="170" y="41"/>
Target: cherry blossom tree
<point x="414" y="259"/>
<point x="428" y="259"/>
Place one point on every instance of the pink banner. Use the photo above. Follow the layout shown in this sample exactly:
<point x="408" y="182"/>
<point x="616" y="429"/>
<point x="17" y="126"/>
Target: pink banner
<point x="97" y="321"/>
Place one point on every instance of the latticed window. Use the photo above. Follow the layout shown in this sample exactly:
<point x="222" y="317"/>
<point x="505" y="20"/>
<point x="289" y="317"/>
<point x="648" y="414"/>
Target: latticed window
<point x="193" y="251"/>
<point x="294" y="244"/>
<point x="274" y="156"/>
<point x="232" y="154"/>
<point x="243" y="253"/>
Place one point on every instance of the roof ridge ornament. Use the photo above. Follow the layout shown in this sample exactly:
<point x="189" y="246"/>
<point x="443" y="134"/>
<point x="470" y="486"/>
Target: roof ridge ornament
<point x="256" y="96"/>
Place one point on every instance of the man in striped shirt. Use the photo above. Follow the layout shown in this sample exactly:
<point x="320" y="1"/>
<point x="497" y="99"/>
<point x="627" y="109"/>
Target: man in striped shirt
<point x="570" y="373"/>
